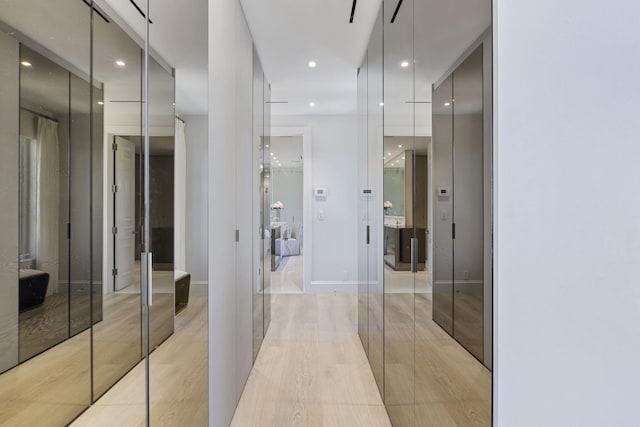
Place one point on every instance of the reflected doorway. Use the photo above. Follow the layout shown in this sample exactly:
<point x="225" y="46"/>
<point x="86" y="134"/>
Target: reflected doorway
<point x="286" y="213"/>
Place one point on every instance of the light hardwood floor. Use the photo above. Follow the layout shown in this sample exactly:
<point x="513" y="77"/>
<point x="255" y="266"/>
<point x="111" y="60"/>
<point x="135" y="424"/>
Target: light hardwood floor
<point x="311" y="369"/>
<point x="179" y="375"/>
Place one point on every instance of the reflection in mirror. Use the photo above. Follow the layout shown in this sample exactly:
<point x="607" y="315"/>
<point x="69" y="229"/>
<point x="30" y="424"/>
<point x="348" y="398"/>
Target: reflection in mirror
<point x="287" y="175"/>
<point x="47" y="302"/>
<point x="161" y="199"/>
<point x="259" y="254"/>
<point x="117" y="340"/>
<point x="399" y="310"/>
<point x="375" y="204"/>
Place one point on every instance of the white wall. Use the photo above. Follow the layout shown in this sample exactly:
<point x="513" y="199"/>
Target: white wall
<point x="567" y="214"/>
<point x="230" y="131"/>
<point x="196" y="214"/>
<point x="333" y="152"/>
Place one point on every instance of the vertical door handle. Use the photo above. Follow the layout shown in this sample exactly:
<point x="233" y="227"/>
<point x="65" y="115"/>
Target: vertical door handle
<point x="147" y="278"/>
<point x="414" y="255"/>
<point x="368" y="233"/>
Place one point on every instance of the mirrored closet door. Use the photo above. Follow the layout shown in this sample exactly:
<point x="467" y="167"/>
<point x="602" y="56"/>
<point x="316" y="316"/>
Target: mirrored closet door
<point x="424" y="111"/>
<point x="89" y="168"/>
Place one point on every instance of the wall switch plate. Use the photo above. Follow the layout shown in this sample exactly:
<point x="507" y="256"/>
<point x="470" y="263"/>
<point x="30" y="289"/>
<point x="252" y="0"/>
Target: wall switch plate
<point x="321" y="215"/>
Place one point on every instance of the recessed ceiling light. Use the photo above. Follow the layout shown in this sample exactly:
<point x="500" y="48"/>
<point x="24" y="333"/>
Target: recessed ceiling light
<point x="399" y="145"/>
<point x="267" y="146"/>
<point x="404" y="64"/>
<point x="446" y="104"/>
<point x="388" y="154"/>
<point x="26" y="63"/>
<point x="120" y="63"/>
<point x="272" y="154"/>
<point x="312" y="64"/>
<point x="381" y="104"/>
<point x="100" y="103"/>
<point x="312" y="104"/>
<point x="403" y="158"/>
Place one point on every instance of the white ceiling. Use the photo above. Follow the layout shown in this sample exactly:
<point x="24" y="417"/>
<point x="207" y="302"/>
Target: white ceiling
<point x="290" y="33"/>
<point x="179" y="35"/>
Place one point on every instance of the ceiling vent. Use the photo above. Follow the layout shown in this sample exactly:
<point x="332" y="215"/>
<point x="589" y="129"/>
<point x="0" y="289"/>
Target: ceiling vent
<point x="96" y="10"/>
<point x="353" y="11"/>
<point x="395" y="13"/>
<point x="140" y="11"/>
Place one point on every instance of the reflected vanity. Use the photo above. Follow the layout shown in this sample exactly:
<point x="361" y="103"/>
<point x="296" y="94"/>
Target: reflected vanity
<point x="424" y="140"/>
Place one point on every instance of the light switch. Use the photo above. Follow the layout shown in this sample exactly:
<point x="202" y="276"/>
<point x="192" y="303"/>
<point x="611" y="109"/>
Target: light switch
<point x="444" y="215"/>
<point x="321" y="214"/>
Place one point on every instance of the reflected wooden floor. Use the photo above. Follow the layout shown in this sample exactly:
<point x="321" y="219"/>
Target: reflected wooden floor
<point x="311" y="369"/>
<point x="179" y="375"/>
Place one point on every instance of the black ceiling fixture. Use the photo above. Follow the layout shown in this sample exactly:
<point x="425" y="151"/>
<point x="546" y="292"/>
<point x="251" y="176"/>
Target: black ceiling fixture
<point x="393" y="18"/>
<point x="353" y="11"/>
<point x="140" y="11"/>
<point x="95" y="9"/>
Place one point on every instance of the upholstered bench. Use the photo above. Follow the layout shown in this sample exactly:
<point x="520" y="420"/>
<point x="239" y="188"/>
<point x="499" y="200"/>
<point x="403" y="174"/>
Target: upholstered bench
<point x="182" y="283"/>
<point x="32" y="289"/>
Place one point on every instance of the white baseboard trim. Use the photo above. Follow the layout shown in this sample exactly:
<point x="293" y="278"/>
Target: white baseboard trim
<point x="199" y="287"/>
<point x="333" y="287"/>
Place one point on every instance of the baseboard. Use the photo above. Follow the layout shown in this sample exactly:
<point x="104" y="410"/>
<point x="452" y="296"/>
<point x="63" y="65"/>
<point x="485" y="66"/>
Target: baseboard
<point x="332" y="287"/>
<point x="199" y="287"/>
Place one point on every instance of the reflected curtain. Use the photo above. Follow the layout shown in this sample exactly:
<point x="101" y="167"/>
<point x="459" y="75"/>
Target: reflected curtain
<point x="180" y="197"/>
<point x="47" y="200"/>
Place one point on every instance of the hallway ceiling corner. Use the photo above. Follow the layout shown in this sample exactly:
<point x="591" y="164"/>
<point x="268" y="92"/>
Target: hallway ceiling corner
<point x="288" y="34"/>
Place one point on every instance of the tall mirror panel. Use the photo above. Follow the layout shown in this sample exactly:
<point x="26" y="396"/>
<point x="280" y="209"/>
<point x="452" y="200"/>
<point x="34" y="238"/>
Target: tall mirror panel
<point x="443" y="205"/>
<point x="47" y="269"/>
<point x="398" y="160"/>
<point x="268" y="199"/>
<point x="468" y="176"/>
<point x="375" y="202"/>
<point x="435" y="141"/>
<point x="364" y="192"/>
<point x="161" y="201"/>
<point x="260" y="254"/>
<point x="117" y="339"/>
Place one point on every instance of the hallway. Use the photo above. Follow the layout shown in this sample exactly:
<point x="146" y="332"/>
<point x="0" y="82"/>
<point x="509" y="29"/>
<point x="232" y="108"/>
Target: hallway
<point x="311" y="369"/>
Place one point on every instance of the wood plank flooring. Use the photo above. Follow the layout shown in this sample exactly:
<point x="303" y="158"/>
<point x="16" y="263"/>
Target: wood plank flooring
<point x="311" y="369"/>
<point x="179" y="377"/>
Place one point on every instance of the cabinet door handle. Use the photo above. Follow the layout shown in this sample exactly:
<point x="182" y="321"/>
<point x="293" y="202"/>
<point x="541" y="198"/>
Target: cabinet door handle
<point x="414" y="255"/>
<point x="147" y="279"/>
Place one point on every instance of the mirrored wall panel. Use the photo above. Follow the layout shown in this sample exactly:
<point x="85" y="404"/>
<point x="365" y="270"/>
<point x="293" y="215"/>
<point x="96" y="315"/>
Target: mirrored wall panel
<point x="424" y="111"/>
<point x="72" y="138"/>
<point x="49" y="277"/>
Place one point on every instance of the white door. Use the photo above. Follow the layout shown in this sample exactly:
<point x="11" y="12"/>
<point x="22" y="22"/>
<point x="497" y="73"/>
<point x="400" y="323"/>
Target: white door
<point x="124" y="213"/>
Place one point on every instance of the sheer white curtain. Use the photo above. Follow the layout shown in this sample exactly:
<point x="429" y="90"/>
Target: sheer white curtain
<point x="47" y="200"/>
<point x="180" y="197"/>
